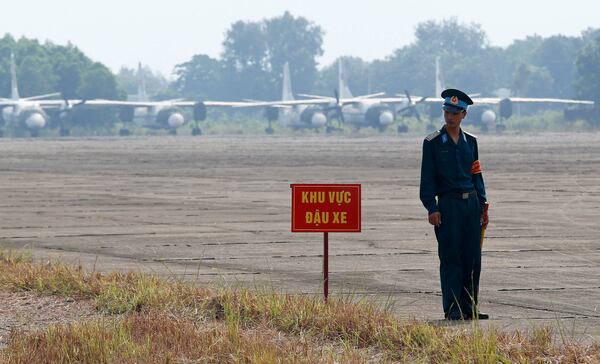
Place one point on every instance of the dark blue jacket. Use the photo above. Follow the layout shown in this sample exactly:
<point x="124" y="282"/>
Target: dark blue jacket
<point x="446" y="167"/>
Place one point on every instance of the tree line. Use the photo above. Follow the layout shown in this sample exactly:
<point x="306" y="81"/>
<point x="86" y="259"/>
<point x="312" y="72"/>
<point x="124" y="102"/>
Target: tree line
<point x="45" y="68"/>
<point x="253" y="54"/>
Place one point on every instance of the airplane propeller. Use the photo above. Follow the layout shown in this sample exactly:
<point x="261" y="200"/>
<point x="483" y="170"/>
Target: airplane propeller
<point x="411" y="106"/>
<point x="70" y="107"/>
<point x="64" y="114"/>
<point x="337" y="107"/>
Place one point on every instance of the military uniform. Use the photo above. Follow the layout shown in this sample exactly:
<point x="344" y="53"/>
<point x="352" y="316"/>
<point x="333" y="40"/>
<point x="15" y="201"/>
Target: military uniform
<point x="451" y="172"/>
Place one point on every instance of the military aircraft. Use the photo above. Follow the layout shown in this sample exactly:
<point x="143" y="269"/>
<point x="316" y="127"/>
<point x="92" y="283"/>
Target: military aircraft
<point x="294" y="116"/>
<point x="361" y="111"/>
<point x="316" y="110"/>
<point x="486" y="112"/>
<point x="378" y="111"/>
<point x="287" y="112"/>
<point x="165" y="114"/>
<point x="31" y="112"/>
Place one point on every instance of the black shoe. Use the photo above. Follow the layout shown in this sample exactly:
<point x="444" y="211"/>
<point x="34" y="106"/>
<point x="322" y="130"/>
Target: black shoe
<point x="481" y="316"/>
<point x="455" y="317"/>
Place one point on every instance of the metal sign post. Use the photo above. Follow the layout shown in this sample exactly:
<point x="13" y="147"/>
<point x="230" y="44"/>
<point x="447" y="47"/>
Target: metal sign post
<point x="326" y="208"/>
<point x="325" y="265"/>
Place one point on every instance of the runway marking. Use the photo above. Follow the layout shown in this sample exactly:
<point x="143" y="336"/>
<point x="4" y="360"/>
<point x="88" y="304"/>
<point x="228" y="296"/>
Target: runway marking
<point x="287" y="256"/>
<point x="545" y="309"/>
<point x="519" y="250"/>
<point x="546" y="289"/>
<point x="304" y="272"/>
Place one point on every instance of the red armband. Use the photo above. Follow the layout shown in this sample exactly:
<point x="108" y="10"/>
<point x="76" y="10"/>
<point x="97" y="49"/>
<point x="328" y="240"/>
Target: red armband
<point x="476" y="167"/>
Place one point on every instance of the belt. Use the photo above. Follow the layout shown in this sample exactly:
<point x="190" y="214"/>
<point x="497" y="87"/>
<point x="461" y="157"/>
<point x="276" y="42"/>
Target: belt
<point x="460" y="195"/>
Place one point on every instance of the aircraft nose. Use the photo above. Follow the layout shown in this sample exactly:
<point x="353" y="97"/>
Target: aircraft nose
<point x="7" y="113"/>
<point x="488" y="116"/>
<point x="318" y="119"/>
<point x="386" y="118"/>
<point x="175" y="120"/>
<point x="35" y="121"/>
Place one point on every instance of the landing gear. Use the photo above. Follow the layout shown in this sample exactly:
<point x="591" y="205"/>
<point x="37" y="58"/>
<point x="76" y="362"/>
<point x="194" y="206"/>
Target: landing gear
<point x="64" y="132"/>
<point x="172" y="131"/>
<point x="124" y="132"/>
<point x="196" y="131"/>
<point x="403" y="128"/>
<point x="271" y="116"/>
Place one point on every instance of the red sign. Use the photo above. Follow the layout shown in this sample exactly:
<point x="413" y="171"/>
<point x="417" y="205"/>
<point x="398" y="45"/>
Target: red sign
<point x="326" y="208"/>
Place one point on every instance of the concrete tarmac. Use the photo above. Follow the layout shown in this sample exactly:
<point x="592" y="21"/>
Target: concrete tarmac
<point x="216" y="210"/>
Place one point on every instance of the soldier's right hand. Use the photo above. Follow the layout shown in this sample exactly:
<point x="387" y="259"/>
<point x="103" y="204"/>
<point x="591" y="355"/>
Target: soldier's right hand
<point x="435" y="219"/>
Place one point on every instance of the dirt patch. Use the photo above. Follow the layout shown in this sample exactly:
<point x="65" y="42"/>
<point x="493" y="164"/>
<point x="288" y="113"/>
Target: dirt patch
<point x="29" y="311"/>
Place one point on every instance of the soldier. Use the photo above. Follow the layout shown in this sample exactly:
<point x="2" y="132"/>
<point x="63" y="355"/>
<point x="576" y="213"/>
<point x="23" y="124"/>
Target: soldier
<point x="451" y="172"/>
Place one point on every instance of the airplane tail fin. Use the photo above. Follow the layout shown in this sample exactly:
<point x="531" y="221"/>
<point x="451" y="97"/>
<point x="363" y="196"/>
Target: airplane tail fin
<point x="13" y="78"/>
<point x="286" y="92"/>
<point x="439" y="78"/>
<point x="141" y="94"/>
<point x="342" y="82"/>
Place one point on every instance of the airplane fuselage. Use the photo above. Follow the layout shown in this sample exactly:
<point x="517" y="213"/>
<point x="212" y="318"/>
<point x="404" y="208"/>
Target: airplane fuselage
<point x="25" y="113"/>
<point x="368" y="113"/>
<point x="302" y="117"/>
<point x="162" y="115"/>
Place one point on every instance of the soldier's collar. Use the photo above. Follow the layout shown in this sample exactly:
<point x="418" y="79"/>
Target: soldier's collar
<point x="444" y="133"/>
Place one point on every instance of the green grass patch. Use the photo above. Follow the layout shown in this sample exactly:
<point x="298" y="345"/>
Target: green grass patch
<point x="548" y="121"/>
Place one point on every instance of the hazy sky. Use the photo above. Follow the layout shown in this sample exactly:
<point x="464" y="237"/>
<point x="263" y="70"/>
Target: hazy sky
<point x="165" y="33"/>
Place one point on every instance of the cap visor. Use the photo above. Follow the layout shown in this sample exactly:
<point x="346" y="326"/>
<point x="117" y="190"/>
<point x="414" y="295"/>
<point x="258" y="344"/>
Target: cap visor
<point x="452" y="109"/>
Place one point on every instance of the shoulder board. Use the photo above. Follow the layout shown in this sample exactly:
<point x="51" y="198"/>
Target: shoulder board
<point x="432" y="136"/>
<point x="469" y="134"/>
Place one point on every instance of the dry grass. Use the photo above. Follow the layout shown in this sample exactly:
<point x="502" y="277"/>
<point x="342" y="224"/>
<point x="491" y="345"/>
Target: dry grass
<point x="115" y="293"/>
<point x="155" y="337"/>
<point x="162" y="321"/>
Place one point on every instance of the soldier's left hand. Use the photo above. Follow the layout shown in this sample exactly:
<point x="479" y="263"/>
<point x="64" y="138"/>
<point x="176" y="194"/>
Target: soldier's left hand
<point x="485" y="219"/>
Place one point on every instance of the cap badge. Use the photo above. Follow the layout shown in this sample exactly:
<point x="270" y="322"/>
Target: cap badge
<point x="454" y="100"/>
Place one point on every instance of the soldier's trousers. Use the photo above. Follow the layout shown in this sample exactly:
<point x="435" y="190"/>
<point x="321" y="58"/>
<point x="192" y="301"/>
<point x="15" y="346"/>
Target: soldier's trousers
<point x="460" y="254"/>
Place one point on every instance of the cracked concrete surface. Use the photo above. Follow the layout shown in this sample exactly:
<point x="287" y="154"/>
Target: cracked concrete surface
<point x="216" y="210"/>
